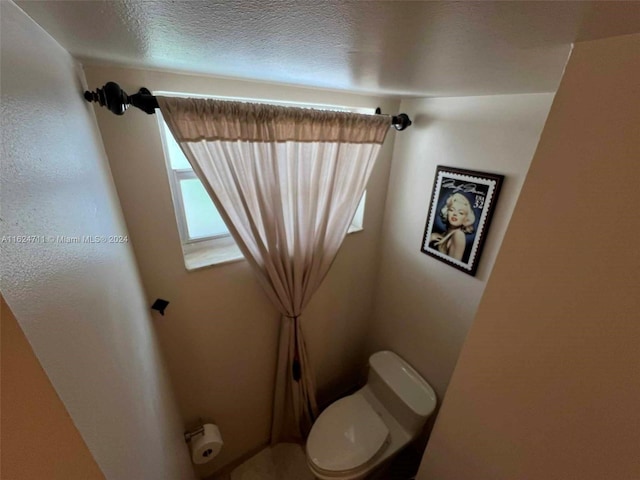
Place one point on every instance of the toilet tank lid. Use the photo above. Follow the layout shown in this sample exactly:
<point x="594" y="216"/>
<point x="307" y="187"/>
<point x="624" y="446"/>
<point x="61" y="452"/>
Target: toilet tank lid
<point x="414" y="390"/>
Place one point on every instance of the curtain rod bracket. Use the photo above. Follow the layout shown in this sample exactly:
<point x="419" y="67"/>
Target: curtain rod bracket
<point x="112" y="96"/>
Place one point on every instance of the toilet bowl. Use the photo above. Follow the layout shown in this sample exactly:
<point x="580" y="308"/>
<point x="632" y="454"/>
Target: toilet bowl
<point x="361" y="432"/>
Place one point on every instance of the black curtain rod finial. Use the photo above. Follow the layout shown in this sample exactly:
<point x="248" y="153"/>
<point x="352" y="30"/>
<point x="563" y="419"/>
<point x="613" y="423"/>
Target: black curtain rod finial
<point x="401" y="121"/>
<point x="110" y="96"/>
<point x="117" y="101"/>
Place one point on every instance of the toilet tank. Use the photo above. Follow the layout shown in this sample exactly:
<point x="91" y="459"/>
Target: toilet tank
<point x="401" y="390"/>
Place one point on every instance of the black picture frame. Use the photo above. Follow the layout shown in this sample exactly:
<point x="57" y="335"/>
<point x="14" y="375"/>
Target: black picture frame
<point x="462" y="205"/>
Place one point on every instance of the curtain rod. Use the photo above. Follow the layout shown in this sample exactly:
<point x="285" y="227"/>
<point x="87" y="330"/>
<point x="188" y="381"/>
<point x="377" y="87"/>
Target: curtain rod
<point x="117" y="101"/>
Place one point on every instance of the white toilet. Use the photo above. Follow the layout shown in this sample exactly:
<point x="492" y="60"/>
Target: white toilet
<point x="358" y="433"/>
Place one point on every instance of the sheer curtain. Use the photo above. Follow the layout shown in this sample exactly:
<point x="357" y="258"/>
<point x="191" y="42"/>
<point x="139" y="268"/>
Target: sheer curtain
<point x="287" y="182"/>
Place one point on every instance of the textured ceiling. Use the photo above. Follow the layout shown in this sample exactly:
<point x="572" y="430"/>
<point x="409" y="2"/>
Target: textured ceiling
<point x="382" y="47"/>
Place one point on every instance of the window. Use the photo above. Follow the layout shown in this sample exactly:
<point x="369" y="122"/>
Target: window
<point x="205" y="237"/>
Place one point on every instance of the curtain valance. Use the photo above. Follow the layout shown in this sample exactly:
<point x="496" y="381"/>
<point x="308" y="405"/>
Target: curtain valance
<point x="193" y="120"/>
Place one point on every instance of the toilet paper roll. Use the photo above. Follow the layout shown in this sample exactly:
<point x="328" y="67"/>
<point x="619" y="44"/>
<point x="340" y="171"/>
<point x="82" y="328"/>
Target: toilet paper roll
<point x="206" y="447"/>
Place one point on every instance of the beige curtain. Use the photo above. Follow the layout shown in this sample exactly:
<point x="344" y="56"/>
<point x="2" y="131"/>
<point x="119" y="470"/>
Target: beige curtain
<point x="287" y="182"/>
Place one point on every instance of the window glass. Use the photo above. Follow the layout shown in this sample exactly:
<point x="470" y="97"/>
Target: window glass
<point x="203" y="219"/>
<point x="358" y="218"/>
<point x="177" y="158"/>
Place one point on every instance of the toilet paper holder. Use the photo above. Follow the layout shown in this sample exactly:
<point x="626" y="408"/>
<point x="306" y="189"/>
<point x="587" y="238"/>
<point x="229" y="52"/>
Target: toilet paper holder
<point x="188" y="435"/>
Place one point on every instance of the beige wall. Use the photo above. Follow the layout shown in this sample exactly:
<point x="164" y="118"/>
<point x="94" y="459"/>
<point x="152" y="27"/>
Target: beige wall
<point x="423" y="307"/>
<point x="220" y="331"/>
<point x="80" y="305"/>
<point x="548" y="382"/>
<point x="34" y="419"/>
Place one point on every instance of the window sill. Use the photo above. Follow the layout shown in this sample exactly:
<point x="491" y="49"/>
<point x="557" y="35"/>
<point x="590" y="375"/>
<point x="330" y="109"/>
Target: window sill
<point x="220" y="251"/>
<point x="217" y="251"/>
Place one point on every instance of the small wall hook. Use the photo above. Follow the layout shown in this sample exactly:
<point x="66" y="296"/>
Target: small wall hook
<point x="160" y="305"/>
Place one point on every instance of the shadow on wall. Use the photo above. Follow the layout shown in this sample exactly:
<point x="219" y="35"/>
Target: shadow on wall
<point x="421" y="120"/>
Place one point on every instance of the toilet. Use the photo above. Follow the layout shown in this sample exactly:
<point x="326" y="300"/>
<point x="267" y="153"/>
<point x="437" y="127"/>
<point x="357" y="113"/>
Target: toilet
<point x="361" y="432"/>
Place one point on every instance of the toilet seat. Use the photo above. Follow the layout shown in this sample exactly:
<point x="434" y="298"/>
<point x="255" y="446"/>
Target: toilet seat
<point x="346" y="436"/>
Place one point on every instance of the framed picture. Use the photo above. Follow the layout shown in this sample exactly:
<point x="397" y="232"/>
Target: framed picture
<point x="459" y="216"/>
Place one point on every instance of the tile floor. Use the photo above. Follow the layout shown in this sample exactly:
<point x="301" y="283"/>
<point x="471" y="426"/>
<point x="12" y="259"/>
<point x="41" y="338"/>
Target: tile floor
<point x="286" y="461"/>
